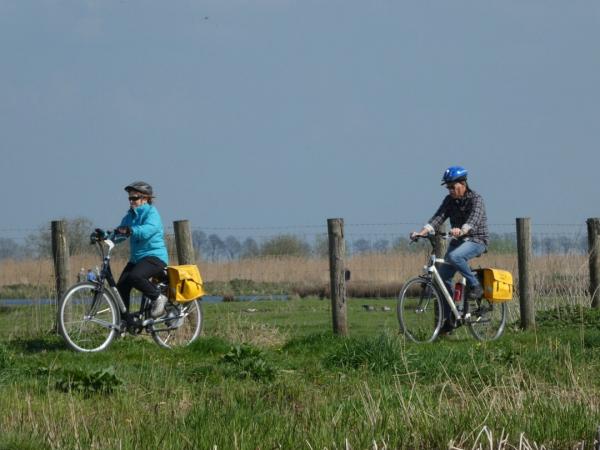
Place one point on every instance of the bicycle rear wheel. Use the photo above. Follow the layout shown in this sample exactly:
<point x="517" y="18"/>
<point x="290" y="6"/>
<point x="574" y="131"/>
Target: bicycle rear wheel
<point x="181" y="325"/>
<point x="419" y="306"/>
<point x="488" y="320"/>
<point x="88" y="319"/>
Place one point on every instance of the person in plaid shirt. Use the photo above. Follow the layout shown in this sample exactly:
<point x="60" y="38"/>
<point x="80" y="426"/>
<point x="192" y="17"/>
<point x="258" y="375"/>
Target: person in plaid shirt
<point x="468" y="222"/>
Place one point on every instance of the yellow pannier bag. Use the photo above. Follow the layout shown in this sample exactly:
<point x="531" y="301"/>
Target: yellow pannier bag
<point x="185" y="283"/>
<point x="497" y="285"/>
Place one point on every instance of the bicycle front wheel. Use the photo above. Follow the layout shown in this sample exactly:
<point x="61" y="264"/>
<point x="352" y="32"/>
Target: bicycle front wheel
<point x="181" y="325"/>
<point x="419" y="306"/>
<point x="88" y="318"/>
<point x="488" y="320"/>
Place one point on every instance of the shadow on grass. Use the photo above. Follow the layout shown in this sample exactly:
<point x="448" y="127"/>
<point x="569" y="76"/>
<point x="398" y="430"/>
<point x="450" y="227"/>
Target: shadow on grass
<point x="39" y="344"/>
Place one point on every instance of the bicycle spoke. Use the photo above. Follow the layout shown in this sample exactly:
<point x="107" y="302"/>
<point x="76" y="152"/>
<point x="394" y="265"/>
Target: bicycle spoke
<point x="183" y="324"/>
<point x="488" y="320"/>
<point x="419" y="306"/>
<point x="88" y="319"/>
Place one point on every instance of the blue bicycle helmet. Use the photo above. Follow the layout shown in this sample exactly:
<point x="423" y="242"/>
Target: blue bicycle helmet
<point x="454" y="174"/>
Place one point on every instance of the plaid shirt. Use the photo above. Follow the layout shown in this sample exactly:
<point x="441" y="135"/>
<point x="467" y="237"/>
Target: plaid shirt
<point x="466" y="213"/>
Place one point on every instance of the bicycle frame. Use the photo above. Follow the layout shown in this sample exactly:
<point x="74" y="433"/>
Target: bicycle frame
<point x="106" y="274"/>
<point x="431" y="269"/>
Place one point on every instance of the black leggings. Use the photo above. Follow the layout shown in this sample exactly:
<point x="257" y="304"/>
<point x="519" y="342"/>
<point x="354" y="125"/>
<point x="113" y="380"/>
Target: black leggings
<point x="136" y="275"/>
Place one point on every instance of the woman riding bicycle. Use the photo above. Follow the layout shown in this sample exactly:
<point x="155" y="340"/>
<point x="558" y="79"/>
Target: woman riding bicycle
<point x="149" y="257"/>
<point x="466" y="211"/>
<point x="92" y="313"/>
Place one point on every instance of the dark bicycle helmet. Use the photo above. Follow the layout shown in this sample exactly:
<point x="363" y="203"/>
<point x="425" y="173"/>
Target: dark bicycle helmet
<point x="454" y="174"/>
<point x="140" y="186"/>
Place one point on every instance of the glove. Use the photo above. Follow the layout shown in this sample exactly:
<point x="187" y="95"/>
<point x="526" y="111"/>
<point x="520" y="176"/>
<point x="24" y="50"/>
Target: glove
<point x="124" y="230"/>
<point x="98" y="235"/>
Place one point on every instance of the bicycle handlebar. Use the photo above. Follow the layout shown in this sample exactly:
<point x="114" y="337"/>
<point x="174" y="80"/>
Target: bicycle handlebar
<point x="99" y="235"/>
<point x="447" y="236"/>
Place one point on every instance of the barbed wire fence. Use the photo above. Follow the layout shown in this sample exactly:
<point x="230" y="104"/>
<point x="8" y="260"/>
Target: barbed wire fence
<point x="379" y="255"/>
<point x="293" y="260"/>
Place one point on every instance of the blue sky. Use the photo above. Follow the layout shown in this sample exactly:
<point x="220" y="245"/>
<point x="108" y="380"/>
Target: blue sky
<point x="270" y="113"/>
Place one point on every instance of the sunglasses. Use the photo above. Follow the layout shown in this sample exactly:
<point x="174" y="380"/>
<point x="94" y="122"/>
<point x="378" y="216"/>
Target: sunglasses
<point x="451" y="187"/>
<point x="135" y="198"/>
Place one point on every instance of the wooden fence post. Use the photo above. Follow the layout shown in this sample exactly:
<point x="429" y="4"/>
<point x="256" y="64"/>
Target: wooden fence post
<point x="183" y="242"/>
<point x="337" y="250"/>
<point x="60" y="254"/>
<point x="593" y="226"/>
<point x="524" y="250"/>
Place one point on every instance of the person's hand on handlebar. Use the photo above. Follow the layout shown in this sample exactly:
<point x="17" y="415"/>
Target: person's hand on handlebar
<point x="419" y="234"/>
<point x="126" y="231"/>
<point x="425" y="232"/>
<point x="456" y="232"/>
<point x="98" y="235"/>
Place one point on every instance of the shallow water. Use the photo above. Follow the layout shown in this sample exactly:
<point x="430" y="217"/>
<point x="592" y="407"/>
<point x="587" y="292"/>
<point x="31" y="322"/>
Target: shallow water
<point x="205" y="299"/>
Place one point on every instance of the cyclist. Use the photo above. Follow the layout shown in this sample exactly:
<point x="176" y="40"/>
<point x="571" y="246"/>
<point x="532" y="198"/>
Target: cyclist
<point x="143" y="226"/>
<point x="466" y="211"/>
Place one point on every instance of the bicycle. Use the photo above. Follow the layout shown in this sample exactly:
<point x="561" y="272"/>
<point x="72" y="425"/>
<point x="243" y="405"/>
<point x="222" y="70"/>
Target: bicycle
<point x="420" y="310"/>
<point x="92" y="313"/>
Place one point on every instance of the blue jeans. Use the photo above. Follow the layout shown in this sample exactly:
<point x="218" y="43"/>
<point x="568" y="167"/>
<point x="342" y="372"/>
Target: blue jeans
<point x="458" y="255"/>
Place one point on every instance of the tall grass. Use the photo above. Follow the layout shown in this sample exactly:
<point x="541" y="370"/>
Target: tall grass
<point x="562" y="275"/>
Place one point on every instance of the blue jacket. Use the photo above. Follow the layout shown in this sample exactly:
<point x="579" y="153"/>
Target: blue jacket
<point x="147" y="235"/>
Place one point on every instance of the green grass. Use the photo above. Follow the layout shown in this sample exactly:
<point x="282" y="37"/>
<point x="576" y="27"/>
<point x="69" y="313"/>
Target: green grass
<point x="271" y="375"/>
<point x="25" y="291"/>
<point x="246" y="287"/>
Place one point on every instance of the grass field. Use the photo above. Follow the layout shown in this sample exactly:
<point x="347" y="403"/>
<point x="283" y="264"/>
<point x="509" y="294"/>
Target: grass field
<point x="277" y="378"/>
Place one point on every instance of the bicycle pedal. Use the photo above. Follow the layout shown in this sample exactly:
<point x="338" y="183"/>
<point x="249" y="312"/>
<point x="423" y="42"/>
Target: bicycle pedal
<point x="135" y="321"/>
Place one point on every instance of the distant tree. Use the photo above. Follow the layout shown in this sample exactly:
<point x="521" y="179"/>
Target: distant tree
<point x="200" y="243"/>
<point x="287" y="245"/>
<point x="549" y="245"/>
<point x="216" y="247"/>
<point x="79" y="230"/>
<point x="381" y="245"/>
<point x="536" y="245"/>
<point x="546" y="245"/>
<point x="402" y="245"/>
<point x="582" y="244"/>
<point x="78" y="236"/>
<point x="39" y="243"/>
<point x="250" y="249"/>
<point x="361" y="246"/>
<point x="321" y="247"/>
<point x="233" y="247"/>
<point x="503" y="243"/>
<point x="569" y="244"/>
<point x="11" y="249"/>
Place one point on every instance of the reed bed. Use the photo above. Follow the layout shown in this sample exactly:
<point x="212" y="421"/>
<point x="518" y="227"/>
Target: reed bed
<point x="375" y="274"/>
